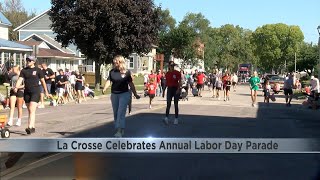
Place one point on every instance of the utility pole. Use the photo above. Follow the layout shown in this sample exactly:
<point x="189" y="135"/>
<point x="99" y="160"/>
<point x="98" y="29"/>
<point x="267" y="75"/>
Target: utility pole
<point x="295" y="62"/>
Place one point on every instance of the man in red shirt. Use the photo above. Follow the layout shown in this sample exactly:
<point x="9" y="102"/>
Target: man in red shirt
<point x="174" y="84"/>
<point x="200" y="82"/>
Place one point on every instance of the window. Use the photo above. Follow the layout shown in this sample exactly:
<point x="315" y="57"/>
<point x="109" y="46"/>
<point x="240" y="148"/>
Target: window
<point x="6" y="57"/>
<point x="131" y="63"/>
<point x="18" y="60"/>
<point x="58" y="64"/>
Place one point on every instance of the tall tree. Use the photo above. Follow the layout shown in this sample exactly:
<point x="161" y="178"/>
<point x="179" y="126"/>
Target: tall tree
<point x="307" y="58"/>
<point x="16" y="14"/>
<point x="275" y="44"/>
<point x="102" y="29"/>
<point x="168" y="23"/>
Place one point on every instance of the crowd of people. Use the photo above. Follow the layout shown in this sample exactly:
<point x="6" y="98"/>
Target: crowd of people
<point x="32" y="84"/>
<point x="28" y="88"/>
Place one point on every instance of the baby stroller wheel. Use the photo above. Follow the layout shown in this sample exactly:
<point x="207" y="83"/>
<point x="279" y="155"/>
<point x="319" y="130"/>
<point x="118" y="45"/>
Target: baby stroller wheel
<point x="5" y="133"/>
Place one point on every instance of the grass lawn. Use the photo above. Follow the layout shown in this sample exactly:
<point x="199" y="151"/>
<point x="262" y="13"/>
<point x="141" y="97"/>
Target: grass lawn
<point x="3" y="90"/>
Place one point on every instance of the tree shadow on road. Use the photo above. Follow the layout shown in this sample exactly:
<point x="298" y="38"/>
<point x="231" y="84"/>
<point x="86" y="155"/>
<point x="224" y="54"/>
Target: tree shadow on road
<point x="273" y="121"/>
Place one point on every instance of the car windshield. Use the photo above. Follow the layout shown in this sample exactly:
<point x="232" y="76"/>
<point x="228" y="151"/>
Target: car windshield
<point x="277" y="78"/>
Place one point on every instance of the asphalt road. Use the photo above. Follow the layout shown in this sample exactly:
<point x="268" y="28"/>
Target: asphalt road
<point x="200" y="117"/>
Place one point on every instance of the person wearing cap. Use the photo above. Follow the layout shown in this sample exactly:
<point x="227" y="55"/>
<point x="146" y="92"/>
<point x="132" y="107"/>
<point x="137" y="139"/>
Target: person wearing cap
<point x="315" y="87"/>
<point x="31" y="75"/>
<point x="120" y="78"/>
<point x="174" y="84"/>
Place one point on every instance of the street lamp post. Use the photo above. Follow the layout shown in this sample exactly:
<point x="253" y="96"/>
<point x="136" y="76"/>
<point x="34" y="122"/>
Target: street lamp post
<point x="319" y="52"/>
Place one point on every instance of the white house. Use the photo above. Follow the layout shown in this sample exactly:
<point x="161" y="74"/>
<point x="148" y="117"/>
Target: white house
<point x="37" y="33"/>
<point x="11" y="53"/>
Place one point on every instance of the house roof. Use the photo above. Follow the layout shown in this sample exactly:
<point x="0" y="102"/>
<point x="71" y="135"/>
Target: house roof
<point x="56" y="44"/>
<point x="4" y="20"/>
<point x="52" y="53"/>
<point x="51" y="42"/>
<point x="10" y="45"/>
<point x="30" y="43"/>
<point x="31" y="20"/>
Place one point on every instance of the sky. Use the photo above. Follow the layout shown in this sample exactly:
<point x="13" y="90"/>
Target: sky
<point x="248" y="14"/>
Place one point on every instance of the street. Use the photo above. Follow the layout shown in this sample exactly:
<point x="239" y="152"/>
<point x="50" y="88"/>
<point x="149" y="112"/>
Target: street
<point x="203" y="117"/>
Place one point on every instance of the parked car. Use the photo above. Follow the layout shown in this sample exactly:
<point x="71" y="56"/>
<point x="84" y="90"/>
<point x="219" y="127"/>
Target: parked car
<point x="268" y="76"/>
<point x="276" y="80"/>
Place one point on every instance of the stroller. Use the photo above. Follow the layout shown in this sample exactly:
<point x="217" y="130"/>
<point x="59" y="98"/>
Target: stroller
<point x="195" y="91"/>
<point x="184" y="92"/>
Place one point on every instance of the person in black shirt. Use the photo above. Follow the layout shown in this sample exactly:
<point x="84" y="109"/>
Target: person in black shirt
<point x="48" y="76"/>
<point x="61" y="81"/>
<point x="31" y="76"/>
<point x="78" y="86"/>
<point x="7" y="81"/>
<point x="120" y="95"/>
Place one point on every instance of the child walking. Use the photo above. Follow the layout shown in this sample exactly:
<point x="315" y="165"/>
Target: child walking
<point x="267" y="89"/>
<point x="151" y="91"/>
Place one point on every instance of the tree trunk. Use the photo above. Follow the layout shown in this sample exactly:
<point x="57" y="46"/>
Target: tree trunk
<point x="97" y="76"/>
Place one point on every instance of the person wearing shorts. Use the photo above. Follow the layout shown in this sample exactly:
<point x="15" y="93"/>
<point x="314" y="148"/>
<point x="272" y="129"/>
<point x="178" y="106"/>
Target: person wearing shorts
<point x="31" y="76"/>
<point x="200" y="82"/>
<point x="151" y="91"/>
<point x="48" y="76"/>
<point x="61" y="81"/>
<point x="78" y="86"/>
<point x="234" y="82"/>
<point x="228" y="87"/>
<point x="254" y="87"/>
<point x="287" y="89"/>
<point x="218" y="86"/>
<point x="213" y="80"/>
<point x="16" y="98"/>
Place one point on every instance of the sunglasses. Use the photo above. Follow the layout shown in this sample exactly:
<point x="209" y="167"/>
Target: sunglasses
<point x="28" y="60"/>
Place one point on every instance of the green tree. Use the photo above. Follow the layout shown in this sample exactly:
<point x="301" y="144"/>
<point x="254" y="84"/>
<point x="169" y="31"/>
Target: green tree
<point x="16" y="14"/>
<point x="102" y="29"/>
<point x="168" y="23"/>
<point x="307" y="58"/>
<point x="275" y="45"/>
<point x="231" y="46"/>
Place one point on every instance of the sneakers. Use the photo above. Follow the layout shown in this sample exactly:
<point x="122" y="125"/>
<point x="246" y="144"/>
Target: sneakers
<point x="10" y="122"/>
<point x="7" y="107"/>
<point x="41" y="106"/>
<point x="252" y="105"/>
<point x="166" y="121"/>
<point x="150" y="107"/>
<point x="24" y="106"/>
<point x="30" y="130"/>
<point x="176" y="121"/>
<point x="118" y="134"/>
<point x="18" y="123"/>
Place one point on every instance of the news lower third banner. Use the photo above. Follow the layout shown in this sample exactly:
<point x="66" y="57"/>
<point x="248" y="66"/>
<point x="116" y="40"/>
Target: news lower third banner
<point x="162" y="145"/>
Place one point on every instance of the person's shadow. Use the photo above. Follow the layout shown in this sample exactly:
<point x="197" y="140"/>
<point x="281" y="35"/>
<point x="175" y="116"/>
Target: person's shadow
<point x="13" y="159"/>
